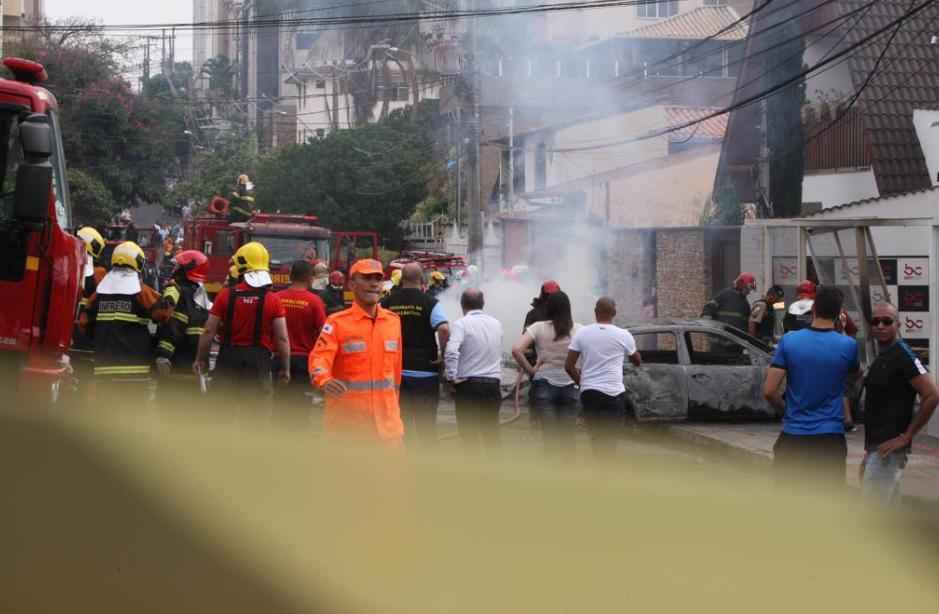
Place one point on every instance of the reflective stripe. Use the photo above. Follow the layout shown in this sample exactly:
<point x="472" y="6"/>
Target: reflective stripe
<point x="391" y="345"/>
<point x="122" y="317"/>
<point x="371" y="384"/>
<point x="83" y="302"/>
<point x="126" y="370"/>
<point x="172" y="293"/>
<point x="731" y="314"/>
<point x="195" y="330"/>
<point x="166" y="345"/>
<point x="182" y="317"/>
<point x="353" y="346"/>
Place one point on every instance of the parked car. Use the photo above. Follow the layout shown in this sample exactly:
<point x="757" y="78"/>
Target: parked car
<point x="696" y="370"/>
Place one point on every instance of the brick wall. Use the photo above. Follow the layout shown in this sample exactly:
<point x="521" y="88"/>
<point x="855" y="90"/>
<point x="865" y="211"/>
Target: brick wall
<point x="682" y="272"/>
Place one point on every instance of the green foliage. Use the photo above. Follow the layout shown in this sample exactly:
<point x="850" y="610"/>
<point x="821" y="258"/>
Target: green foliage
<point x="221" y="74"/>
<point x="123" y="142"/>
<point x="93" y="203"/>
<point x="369" y="178"/>
<point x="216" y="171"/>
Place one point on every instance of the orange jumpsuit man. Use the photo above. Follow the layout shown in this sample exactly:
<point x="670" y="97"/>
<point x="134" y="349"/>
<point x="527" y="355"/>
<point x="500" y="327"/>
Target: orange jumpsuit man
<point x="357" y="363"/>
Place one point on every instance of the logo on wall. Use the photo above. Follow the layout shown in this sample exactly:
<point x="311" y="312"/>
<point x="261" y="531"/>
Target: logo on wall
<point x="913" y="298"/>
<point x="913" y="270"/>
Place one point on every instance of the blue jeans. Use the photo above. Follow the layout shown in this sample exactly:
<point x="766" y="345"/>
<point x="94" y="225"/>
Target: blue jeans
<point x="606" y="417"/>
<point x="881" y="479"/>
<point x="556" y="408"/>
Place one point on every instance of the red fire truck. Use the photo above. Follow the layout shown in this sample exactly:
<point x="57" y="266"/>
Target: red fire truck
<point x="41" y="264"/>
<point x="287" y="238"/>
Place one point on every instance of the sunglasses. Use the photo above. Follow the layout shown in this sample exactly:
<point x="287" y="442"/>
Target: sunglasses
<point x="886" y="321"/>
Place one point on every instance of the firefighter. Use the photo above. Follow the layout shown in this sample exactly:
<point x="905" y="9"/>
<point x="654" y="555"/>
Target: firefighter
<point x="730" y="305"/>
<point x="178" y="338"/>
<point x="799" y="314"/>
<point x="119" y="316"/>
<point x="320" y="277"/>
<point x="438" y="283"/>
<point x="82" y="351"/>
<point x="395" y="281"/>
<point x="254" y="320"/>
<point x="356" y="362"/>
<point x="333" y="295"/>
<point x="241" y="208"/>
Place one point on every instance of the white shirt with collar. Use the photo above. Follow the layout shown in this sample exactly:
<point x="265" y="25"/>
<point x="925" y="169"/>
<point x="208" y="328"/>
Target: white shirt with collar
<point x="474" y="348"/>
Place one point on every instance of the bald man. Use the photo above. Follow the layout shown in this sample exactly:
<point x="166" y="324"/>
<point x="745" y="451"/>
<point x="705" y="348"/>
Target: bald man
<point x="895" y="378"/>
<point x="604" y="348"/>
<point x="424" y="333"/>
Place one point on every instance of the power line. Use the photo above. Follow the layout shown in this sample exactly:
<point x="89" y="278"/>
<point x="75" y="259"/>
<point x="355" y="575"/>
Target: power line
<point x="766" y="92"/>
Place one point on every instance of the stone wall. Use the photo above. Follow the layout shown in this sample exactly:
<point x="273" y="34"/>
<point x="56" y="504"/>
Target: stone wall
<point x="683" y="272"/>
<point x="630" y="272"/>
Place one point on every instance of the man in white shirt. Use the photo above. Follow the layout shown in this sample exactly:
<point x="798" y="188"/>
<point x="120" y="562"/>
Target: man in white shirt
<point x="605" y="348"/>
<point x="473" y="367"/>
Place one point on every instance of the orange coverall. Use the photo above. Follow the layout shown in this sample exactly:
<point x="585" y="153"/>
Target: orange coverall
<point x="365" y="355"/>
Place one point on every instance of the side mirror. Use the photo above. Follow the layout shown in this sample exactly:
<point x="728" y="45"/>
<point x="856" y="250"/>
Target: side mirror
<point x="36" y="136"/>
<point x="34" y="174"/>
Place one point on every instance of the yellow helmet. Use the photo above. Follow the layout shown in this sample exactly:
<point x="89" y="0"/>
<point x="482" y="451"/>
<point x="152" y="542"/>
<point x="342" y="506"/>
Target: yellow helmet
<point x="129" y="254"/>
<point x="396" y="277"/>
<point x="242" y="178"/>
<point x="436" y="277"/>
<point x="94" y="242"/>
<point x="251" y="257"/>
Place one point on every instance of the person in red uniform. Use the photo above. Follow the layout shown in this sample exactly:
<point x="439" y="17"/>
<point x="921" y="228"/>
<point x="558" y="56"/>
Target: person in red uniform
<point x="305" y="317"/>
<point x="254" y="319"/>
<point x="356" y="362"/>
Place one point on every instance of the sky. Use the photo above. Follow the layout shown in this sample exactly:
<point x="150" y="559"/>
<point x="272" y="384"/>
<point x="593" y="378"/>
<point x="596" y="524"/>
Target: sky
<point x="130" y="11"/>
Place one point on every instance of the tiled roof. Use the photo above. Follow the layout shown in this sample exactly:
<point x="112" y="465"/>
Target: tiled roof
<point x="710" y="129"/>
<point x="702" y="22"/>
<point x="907" y="79"/>
<point x="873" y="199"/>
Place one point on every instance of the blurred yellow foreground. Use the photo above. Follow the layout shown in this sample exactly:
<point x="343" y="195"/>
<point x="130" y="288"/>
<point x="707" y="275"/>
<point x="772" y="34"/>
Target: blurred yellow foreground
<point x="109" y="514"/>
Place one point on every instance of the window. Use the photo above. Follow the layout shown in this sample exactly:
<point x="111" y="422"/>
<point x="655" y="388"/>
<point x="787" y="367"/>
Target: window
<point x="713" y="349"/>
<point x="13" y="237"/>
<point x="225" y="240"/>
<point x="541" y="167"/>
<point x="715" y="2"/>
<point x="320" y="84"/>
<point x="657" y="8"/>
<point x="657" y="348"/>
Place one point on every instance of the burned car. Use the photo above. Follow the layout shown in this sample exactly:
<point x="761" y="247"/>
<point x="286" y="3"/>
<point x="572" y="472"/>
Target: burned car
<point x="696" y="370"/>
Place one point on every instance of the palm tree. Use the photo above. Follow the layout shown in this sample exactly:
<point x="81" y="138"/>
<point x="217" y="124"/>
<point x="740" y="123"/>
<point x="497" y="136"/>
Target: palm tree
<point x="221" y="74"/>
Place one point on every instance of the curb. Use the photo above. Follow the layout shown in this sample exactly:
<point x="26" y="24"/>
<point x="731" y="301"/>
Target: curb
<point x="749" y="457"/>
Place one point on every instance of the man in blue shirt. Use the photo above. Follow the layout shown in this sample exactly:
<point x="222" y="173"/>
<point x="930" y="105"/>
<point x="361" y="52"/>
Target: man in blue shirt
<point x="424" y="327"/>
<point x="816" y="362"/>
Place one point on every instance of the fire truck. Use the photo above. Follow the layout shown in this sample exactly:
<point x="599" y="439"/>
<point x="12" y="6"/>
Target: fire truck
<point x="41" y="263"/>
<point x="287" y="238"/>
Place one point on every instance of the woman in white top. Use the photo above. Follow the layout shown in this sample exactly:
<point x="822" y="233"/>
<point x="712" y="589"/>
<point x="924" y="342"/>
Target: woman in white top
<point x="554" y="397"/>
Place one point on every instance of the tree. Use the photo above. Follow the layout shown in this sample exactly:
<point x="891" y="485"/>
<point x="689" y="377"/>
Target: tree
<point x="371" y="177"/>
<point x="221" y="74"/>
<point x="216" y="170"/>
<point x="92" y="202"/>
<point x="121" y="142"/>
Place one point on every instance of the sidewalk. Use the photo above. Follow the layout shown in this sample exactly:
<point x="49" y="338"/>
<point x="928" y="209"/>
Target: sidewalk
<point x="753" y="443"/>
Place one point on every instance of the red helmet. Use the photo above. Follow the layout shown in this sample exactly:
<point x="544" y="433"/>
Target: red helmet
<point x="805" y="289"/>
<point x="194" y="265"/>
<point x="745" y="281"/>
<point x="336" y="278"/>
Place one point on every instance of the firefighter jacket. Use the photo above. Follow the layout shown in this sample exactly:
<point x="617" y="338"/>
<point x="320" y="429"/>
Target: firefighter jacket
<point x="365" y="355"/>
<point x="240" y="208"/>
<point x="730" y="307"/>
<point x="81" y="345"/>
<point x="178" y="338"/>
<point x="333" y="299"/>
<point x="119" y="324"/>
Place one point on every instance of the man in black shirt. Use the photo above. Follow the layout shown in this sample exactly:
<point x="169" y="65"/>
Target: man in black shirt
<point x="424" y="326"/>
<point x="762" y="323"/>
<point x="894" y="379"/>
<point x="730" y="305"/>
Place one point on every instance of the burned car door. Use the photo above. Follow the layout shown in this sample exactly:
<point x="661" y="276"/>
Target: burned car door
<point x="657" y="390"/>
<point x="725" y="377"/>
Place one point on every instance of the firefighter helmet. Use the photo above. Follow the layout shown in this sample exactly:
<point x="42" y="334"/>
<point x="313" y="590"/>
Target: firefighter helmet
<point x="436" y="277"/>
<point x="243" y="179"/>
<point x="745" y="282"/>
<point x="320" y="270"/>
<point x="129" y="254"/>
<point x="337" y="279"/>
<point x="805" y="289"/>
<point x="252" y="257"/>
<point x="94" y="242"/>
<point x="396" y="277"/>
<point x="194" y="265"/>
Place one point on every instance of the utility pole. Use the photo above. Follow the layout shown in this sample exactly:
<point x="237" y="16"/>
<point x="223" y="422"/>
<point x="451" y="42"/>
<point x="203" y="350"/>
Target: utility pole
<point x="765" y="155"/>
<point x="459" y="167"/>
<point x="511" y="159"/>
<point x="474" y="214"/>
